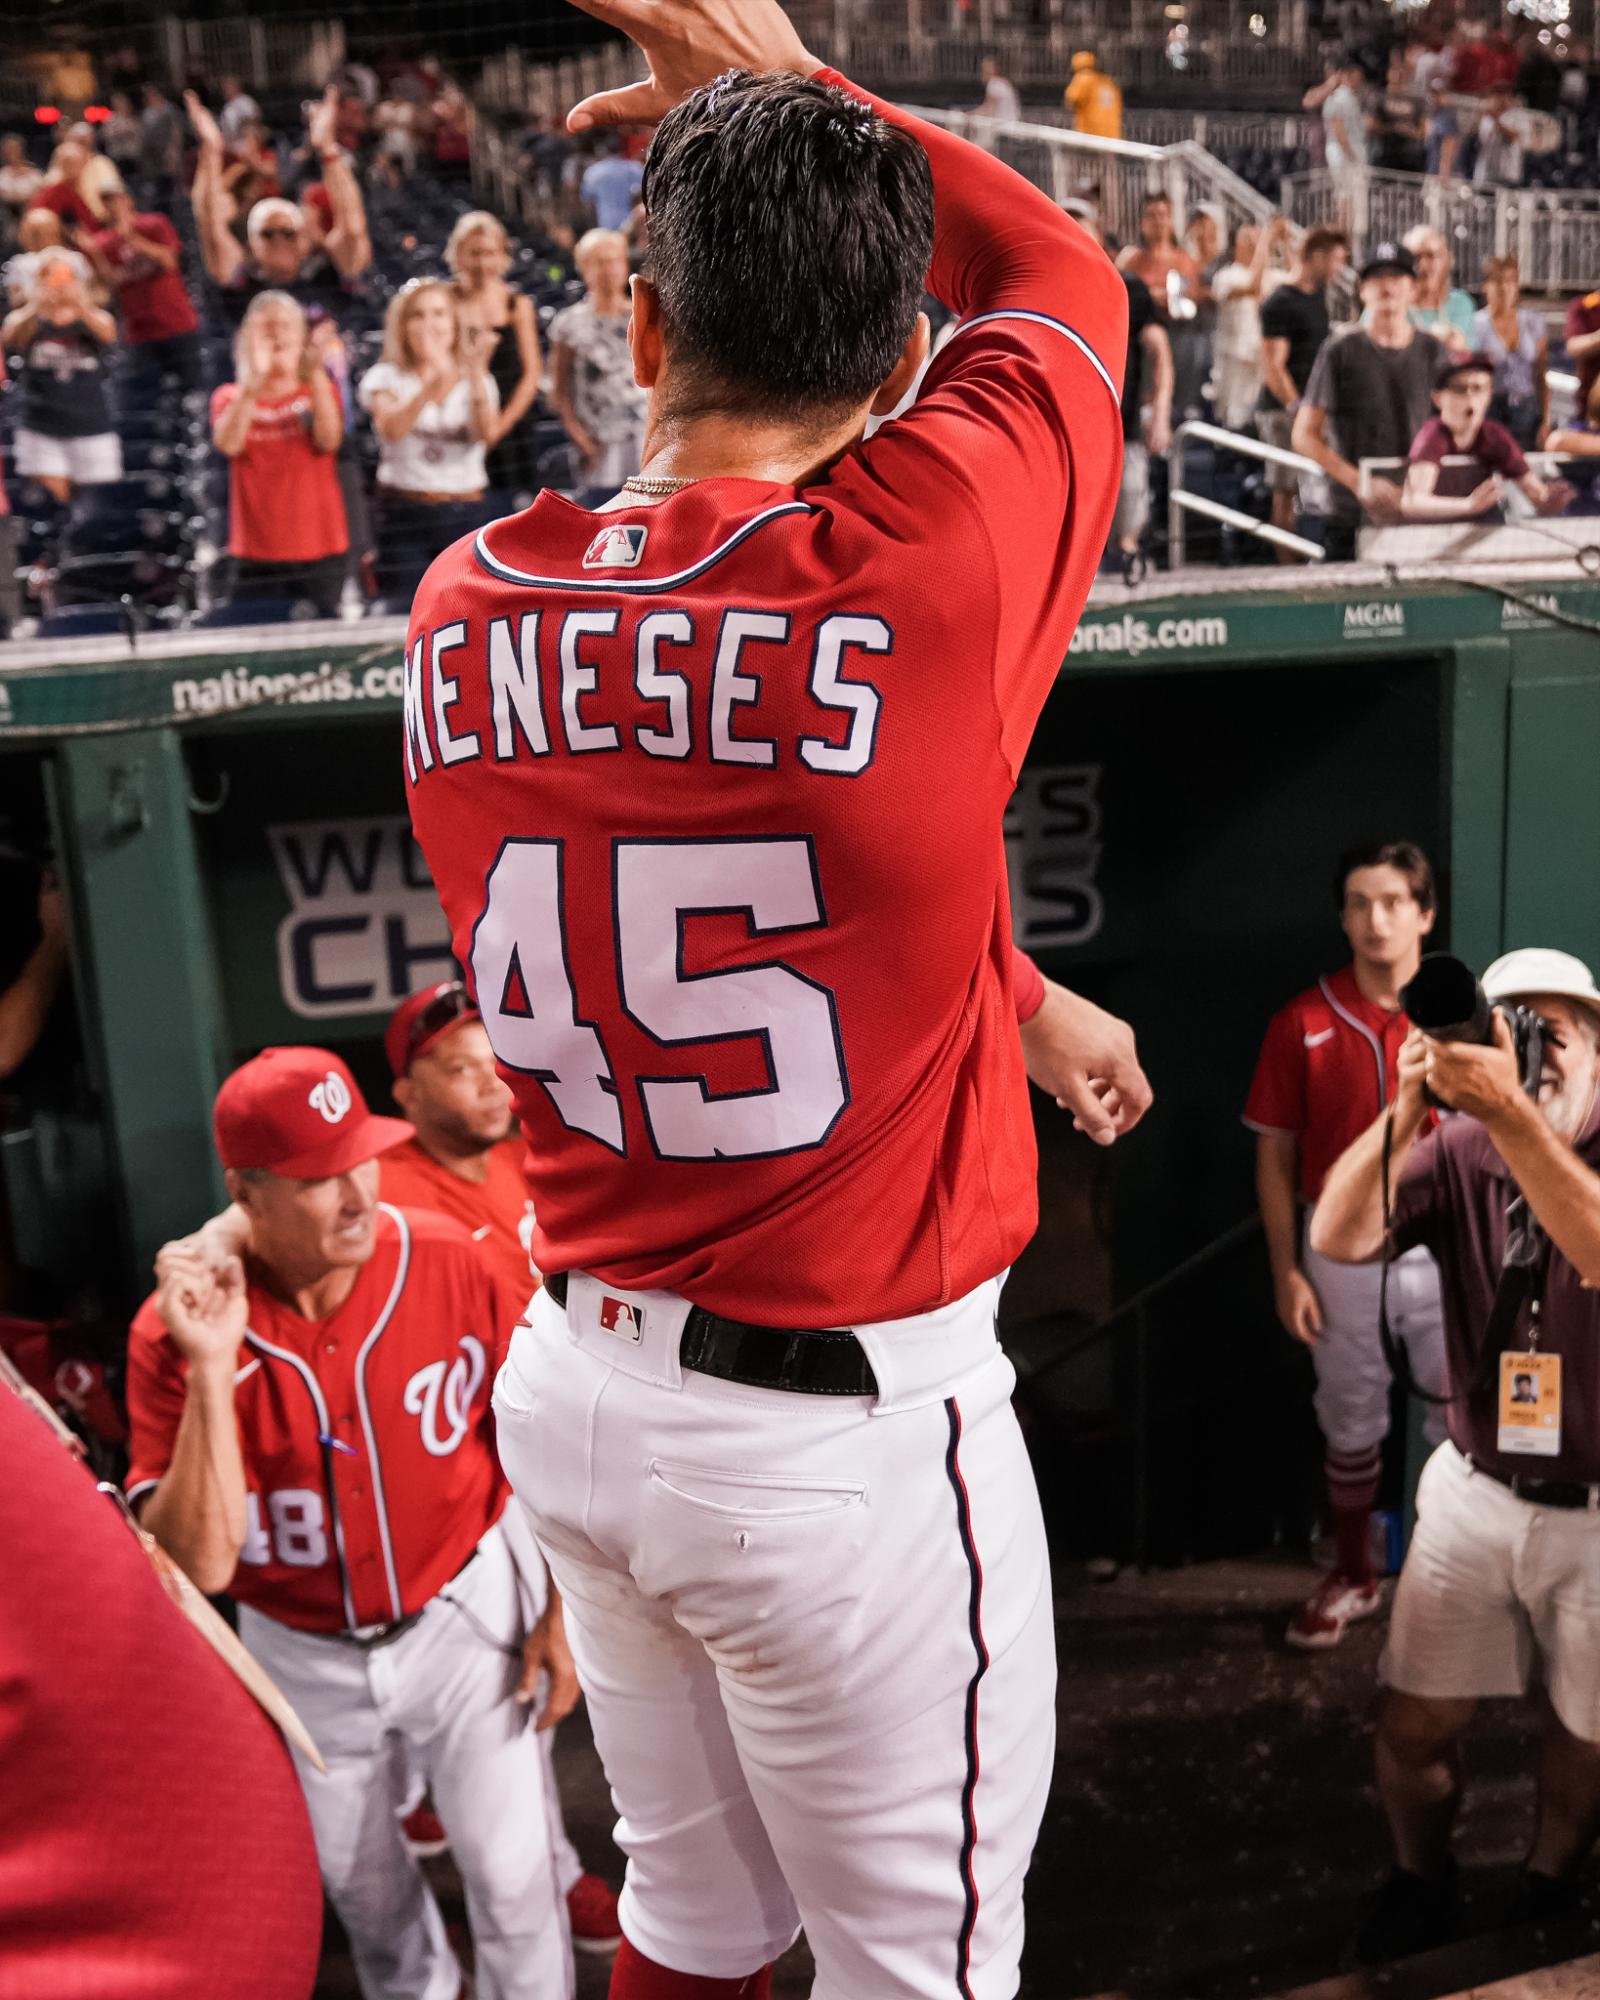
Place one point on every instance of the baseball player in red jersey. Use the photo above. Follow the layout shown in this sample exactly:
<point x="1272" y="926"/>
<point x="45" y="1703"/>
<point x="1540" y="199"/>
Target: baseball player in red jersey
<point x="313" y="1435"/>
<point x="711" y="788"/>
<point x="1328" y="1066"/>
<point x="463" y="1159"/>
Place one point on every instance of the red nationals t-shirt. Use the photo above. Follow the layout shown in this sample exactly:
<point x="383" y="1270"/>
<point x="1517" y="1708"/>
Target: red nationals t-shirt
<point x="155" y="304"/>
<point x="284" y="503"/>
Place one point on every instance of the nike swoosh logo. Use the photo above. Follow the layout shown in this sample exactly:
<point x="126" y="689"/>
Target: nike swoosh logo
<point x="1316" y="1041"/>
<point x="479" y="1234"/>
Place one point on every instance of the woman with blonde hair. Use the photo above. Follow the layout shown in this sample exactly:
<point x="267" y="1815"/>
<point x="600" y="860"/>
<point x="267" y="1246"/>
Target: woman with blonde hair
<point x="433" y="405"/>
<point x="601" y="407"/>
<point x="280" y="426"/>
<point x="69" y="185"/>
<point x="1516" y="340"/>
<point x="503" y="331"/>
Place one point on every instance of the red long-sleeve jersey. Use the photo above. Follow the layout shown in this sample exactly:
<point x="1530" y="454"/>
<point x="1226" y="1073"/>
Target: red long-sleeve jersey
<point x="712" y="791"/>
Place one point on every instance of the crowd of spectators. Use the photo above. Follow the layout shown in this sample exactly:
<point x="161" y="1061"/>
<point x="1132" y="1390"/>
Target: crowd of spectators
<point x="268" y="360"/>
<point x="1476" y="103"/>
<point x="215" y="302"/>
<point x="1243" y="333"/>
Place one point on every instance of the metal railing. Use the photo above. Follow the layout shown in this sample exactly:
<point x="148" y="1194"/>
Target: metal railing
<point x="1268" y="132"/>
<point x="1137" y="1310"/>
<point x="265" y="52"/>
<point x="548" y="91"/>
<point x="1553" y="233"/>
<point x="900" y="59"/>
<point x="1540" y="461"/>
<point x="1181" y="502"/>
<point x="1117" y="174"/>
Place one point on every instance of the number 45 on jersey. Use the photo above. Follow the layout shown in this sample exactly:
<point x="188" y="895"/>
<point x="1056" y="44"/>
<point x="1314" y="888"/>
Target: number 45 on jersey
<point x="521" y="967"/>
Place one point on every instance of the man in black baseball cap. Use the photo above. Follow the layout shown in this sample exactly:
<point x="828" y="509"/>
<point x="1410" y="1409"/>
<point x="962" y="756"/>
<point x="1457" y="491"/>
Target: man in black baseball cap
<point x="1369" y="394"/>
<point x="1386" y="260"/>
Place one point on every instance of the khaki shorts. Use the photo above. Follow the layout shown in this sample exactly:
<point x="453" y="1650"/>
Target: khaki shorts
<point x="1277" y="427"/>
<point x="1133" y="497"/>
<point x="1494" y="1589"/>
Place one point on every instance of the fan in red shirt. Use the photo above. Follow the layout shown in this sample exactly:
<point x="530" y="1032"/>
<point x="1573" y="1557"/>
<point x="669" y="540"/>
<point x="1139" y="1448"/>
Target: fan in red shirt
<point x="1582" y="337"/>
<point x="464" y="1159"/>
<point x="711" y="785"/>
<point x="139" y="257"/>
<point x="62" y="193"/>
<point x="280" y="425"/>
<point x="1327" y="1068"/>
<point x="158" y="1843"/>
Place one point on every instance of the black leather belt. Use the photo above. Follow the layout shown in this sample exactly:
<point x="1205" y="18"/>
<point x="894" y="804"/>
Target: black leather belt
<point x="1573" y="1494"/>
<point x="806" y="1362"/>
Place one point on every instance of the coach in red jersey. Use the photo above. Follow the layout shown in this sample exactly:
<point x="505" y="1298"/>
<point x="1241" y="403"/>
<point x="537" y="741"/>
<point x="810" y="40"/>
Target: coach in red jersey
<point x="711" y="786"/>
<point x="312" y="1434"/>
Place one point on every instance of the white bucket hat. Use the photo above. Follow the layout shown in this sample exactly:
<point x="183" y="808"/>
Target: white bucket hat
<point x="1519" y="975"/>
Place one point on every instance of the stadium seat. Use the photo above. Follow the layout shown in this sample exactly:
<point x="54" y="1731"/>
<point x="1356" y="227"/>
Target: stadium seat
<point x="86" y="621"/>
<point x="254" y="611"/>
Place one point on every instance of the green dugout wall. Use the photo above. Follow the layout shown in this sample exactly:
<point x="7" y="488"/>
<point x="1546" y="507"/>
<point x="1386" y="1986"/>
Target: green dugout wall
<point x="231" y="827"/>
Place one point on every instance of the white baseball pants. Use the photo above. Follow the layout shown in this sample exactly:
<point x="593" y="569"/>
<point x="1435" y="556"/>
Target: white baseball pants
<point x="816" y="1636"/>
<point x="442" y="1693"/>
<point x="1353" y="1379"/>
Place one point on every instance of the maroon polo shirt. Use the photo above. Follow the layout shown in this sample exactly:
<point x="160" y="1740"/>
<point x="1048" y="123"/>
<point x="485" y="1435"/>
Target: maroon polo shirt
<point x="1583" y="316"/>
<point x="1451" y="1196"/>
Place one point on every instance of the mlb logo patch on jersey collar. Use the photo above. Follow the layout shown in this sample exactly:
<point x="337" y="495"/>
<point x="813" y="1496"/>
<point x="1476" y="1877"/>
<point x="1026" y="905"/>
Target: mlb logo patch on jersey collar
<point x="619" y="547"/>
<point x="617" y="1316"/>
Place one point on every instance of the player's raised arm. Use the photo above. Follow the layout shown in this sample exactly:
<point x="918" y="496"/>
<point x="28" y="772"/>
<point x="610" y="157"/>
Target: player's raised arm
<point x="1000" y="245"/>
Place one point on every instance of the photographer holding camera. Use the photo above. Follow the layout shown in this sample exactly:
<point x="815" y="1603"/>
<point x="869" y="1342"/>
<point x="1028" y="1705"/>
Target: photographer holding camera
<point x="1501" y="1585"/>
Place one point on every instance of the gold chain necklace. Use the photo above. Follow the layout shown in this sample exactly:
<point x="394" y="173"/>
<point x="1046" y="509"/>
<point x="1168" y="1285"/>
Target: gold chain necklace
<point x="655" y="488"/>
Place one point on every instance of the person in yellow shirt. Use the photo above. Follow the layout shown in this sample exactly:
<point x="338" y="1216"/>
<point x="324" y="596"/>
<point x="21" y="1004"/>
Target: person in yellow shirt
<point x="1093" y="99"/>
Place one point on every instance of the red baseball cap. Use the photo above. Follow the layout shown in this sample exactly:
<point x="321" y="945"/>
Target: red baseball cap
<point x="299" y="1113"/>
<point x="425" y="1018"/>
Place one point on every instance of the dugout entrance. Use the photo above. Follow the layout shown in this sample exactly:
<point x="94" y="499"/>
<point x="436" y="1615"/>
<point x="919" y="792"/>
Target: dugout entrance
<point x="231" y="827"/>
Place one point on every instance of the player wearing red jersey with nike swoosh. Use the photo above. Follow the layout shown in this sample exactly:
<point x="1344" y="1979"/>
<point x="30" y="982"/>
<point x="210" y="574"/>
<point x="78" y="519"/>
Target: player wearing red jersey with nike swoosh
<point x="711" y="788"/>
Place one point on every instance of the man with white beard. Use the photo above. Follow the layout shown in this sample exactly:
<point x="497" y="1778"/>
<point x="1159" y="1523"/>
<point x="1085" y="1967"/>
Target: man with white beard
<point x="1497" y="1595"/>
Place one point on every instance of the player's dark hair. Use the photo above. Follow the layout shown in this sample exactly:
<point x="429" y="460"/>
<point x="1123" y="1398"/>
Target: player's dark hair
<point x="790" y="233"/>
<point x="1404" y="855"/>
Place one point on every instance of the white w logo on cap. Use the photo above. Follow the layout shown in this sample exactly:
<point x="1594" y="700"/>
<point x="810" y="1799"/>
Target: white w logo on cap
<point x="331" y="1097"/>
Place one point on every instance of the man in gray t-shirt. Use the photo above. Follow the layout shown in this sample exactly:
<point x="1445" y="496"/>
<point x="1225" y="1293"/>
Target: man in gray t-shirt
<point x="1370" y="393"/>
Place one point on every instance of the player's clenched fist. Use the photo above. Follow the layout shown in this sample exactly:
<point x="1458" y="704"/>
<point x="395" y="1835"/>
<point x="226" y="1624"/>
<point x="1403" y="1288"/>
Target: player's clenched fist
<point x="204" y="1308"/>
<point x="688" y="43"/>
<point x="1088" y="1062"/>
